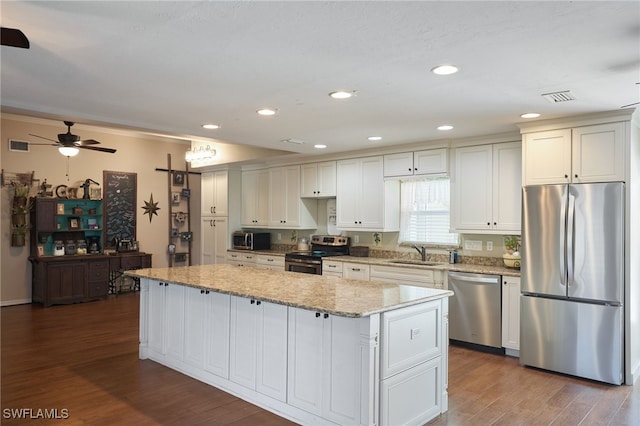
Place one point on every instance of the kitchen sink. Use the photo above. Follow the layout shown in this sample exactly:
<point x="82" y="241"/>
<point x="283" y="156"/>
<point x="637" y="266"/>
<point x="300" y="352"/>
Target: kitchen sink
<point x="416" y="262"/>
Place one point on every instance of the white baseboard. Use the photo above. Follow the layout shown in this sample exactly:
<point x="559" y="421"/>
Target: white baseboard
<point x="14" y="302"/>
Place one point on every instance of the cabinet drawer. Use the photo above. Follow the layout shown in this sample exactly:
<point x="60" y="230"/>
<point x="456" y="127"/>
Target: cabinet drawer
<point x="411" y="397"/>
<point x="99" y="271"/>
<point x="130" y="262"/>
<point x="410" y="336"/>
<point x="331" y="266"/>
<point x="98" y="289"/>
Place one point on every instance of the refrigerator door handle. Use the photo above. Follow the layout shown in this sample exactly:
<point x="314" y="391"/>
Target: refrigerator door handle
<point x="563" y="241"/>
<point x="571" y="220"/>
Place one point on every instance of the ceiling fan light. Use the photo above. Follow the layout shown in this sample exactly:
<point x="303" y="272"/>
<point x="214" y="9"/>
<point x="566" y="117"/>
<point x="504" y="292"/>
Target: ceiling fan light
<point x="68" y="151"/>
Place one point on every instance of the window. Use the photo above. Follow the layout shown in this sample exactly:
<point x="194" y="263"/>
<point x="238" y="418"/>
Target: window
<point x="424" y="212"/>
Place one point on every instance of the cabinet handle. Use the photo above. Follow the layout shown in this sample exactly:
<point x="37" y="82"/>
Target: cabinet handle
<point x="214" y="209"/>
<point x="317" y="314"/>
<point x="331" y="266"/>
<point x="326" y="316"/>
<point x="258" y="303"/>
<point x="355" y="269"/>
<point x="211" y="223"/>
<point x="211" y="210"/>
<point x="253" y="301"/>
<point x="201" y="291"/>
<point x="166" y="284"/>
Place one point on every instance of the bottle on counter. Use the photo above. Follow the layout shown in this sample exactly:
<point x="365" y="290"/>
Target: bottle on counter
<point x="81" y="247"/>
<point x="70" y="247"/>
<point x="58" y="248"/>
<point x="453" y="256"/>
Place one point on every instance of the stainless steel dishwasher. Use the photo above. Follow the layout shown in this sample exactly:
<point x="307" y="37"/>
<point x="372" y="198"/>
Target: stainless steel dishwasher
<point x="475" y="309"/>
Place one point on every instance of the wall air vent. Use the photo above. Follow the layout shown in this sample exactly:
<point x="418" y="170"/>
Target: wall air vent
<point x="556" y="97"/>
<point x="18" y="146"/>
<point x="293" y="141"/>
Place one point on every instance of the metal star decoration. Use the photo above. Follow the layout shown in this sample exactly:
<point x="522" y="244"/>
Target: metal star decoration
<point x="151" y="208"/>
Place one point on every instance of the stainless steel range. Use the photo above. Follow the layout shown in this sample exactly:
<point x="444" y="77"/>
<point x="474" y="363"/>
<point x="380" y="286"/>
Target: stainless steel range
<point x="310" y="262"/>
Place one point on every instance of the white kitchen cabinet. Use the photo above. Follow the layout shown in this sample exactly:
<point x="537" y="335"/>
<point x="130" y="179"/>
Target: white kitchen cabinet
<point x="487" y="188"/>
<point x="241" y="259"/>
<point x="214" y="190"/>
<point x="365" y="201"/>
<point x="286" y="208"/>
<point x="426" y="162"/>
<point x="214" y="242"/>
<point x="324" y="365"/>
<point x="255" y="198"/>
<point x="511" y="312"/>
<point x="166" y="314"/>
<point x="355" y="271"/>
<point x="258" y="346"/>
<point x="332" y="268"/>
<point x="318" y="180"/>
<point x="269" y="261"/>
<point x="407" y="276"/>
<point x="206" y="334"/>
<point x="575" y="155"/>
<point x="412" y="346"/>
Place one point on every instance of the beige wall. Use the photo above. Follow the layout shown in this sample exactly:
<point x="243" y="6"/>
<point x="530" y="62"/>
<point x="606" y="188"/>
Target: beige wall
<point x="140" y="154"/>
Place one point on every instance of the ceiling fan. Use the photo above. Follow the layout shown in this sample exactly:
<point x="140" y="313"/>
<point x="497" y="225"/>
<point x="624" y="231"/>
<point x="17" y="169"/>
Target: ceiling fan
<point x="68" y="143"/>
<point x="635" y="103"/>
<point x="13" y="37"/>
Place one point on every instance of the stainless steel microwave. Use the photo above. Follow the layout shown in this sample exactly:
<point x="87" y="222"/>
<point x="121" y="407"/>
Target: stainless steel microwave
<point x="251" y="240"/>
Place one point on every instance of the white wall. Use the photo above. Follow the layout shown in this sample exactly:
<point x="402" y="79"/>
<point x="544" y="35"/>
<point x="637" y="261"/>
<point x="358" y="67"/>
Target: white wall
<point x="141" y="155"/>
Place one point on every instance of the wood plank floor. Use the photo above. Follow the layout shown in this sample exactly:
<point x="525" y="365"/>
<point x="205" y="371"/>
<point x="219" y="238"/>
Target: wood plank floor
<point x="83" y="361"/>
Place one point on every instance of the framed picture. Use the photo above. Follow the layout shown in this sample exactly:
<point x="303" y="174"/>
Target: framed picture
<point x="174" y="232"/>
<point x="74" y="223"/>
<point x="60" y="208"/>
<point x="178" y="178"/>
<point x="186" y="192"/>
<point x="95" y="193"/>
<point x="175" y="197"/>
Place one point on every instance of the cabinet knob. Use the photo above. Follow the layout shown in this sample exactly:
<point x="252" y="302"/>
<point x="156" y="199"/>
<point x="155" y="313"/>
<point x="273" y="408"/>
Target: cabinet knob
<point x="326" y="316"/>
<point x="566" y="176"/>
<point x="409" y="168"/>
<point x="505" y="283"/>
<point x="258" y="302"/>
<point x="415" y="169"/>
<point x="495" y="223"/>
<point x="488" y="223"/>
<point x="576" y="175"/>
<point x="201" y="291"/>
<point x="207" y="291"/>
<point x="317" y="314"/>
<point x="253" y="301"/>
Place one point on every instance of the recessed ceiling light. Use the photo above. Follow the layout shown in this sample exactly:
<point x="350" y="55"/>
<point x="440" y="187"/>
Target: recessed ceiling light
<point x="267" y="111"/>
<point x="530" y="115"/>
<point x="320" y="146"/>
<point x="210" y="126"/>
<point x="341" y="94"/>
<point x="445" y="69"/>
<point x="445" y="127"/>
<point x="375" y="138"/>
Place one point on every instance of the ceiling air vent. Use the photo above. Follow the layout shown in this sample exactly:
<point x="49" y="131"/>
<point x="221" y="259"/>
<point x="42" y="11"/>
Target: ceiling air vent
<point x="556" y="97"/>
<point x="18" y="146"/>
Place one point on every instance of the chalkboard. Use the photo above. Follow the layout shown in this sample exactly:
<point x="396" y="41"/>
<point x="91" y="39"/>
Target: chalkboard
<point x="120" y="195"/>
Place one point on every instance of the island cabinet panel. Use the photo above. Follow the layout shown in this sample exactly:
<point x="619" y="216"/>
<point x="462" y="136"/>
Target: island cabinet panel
<point x="326" y="361"/>
<point x="258" y="342"/>
<point x="166" y="319"/>
<point x="206" y="331"/>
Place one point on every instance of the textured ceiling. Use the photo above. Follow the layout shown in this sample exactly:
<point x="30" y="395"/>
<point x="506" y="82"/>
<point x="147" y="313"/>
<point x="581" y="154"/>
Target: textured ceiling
<point x="168" y="67"/>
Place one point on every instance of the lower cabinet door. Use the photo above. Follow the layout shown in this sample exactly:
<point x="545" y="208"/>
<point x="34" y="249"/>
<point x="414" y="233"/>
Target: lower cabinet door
<point x="411" y="397"/>
<point x="217" y="313"/>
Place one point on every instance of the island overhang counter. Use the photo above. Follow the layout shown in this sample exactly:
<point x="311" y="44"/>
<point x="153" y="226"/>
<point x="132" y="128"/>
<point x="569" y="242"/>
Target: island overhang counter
<point x="311" y="348"/>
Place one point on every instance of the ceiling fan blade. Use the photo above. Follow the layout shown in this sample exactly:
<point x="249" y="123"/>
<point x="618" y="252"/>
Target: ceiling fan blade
<point x="86" y="142"/>
<point x="13" y="37"/>
<point x="42" y="137"/>
<point x="98" y="148"/>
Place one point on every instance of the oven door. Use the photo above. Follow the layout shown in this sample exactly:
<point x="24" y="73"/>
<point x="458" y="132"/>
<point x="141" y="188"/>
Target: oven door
<point x="304" y="266"/>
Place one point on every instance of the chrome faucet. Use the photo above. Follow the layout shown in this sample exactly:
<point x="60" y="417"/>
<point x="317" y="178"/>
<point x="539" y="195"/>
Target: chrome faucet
<point x="422" y="250"/>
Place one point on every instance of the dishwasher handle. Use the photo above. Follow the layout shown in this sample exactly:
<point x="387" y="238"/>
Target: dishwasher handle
<point x="475" y="278"/>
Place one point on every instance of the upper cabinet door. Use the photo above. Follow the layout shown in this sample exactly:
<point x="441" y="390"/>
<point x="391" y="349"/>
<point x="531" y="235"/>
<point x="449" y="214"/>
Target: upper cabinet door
<point x="431" y="161"/>
<point x="400" y="164"/>
<point x="507" y="186"/>
<point x="327" y="179"/>
<point x="547" y="157"/>
<point x="598" y="153"/>
<point x="473" y="188"/>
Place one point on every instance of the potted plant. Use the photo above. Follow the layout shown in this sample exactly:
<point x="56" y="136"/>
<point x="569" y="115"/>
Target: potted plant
<point x="512" y="257"/>
<point x="19" y="210"/>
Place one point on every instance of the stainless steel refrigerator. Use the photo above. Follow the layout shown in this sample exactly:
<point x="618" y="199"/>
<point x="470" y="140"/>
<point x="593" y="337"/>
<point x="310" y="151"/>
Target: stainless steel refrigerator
<point x="572" y="309"/>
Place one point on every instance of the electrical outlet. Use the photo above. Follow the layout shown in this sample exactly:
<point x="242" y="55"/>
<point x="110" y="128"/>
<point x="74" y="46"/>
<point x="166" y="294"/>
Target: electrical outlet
<point x="474" y="245"/>
<point x="279" y="236"/>
<point x="489" y="245"/>
<point x="356" y="239"/>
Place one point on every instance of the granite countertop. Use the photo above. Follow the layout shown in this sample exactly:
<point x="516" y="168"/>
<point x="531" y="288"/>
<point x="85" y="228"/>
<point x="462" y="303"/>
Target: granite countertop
<point x="337" y="296"/>
<point x="457" y="267"/>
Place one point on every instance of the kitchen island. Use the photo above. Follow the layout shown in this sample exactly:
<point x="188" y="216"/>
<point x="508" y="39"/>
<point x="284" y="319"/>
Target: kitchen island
<point x="311" y="348"/>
